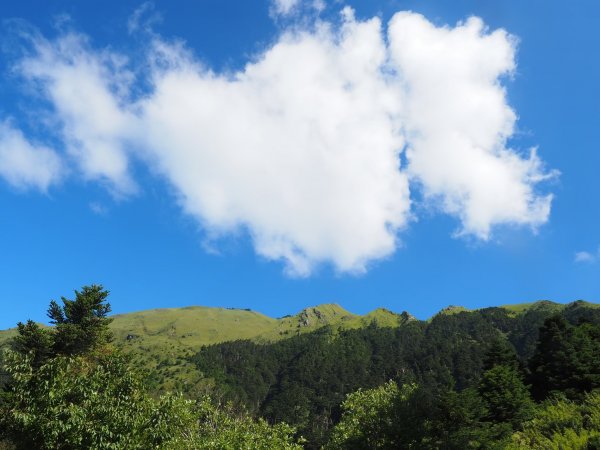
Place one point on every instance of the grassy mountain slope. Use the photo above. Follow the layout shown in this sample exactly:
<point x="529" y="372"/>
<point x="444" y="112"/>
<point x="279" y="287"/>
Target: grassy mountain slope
<point x="162" y="340"/>
<point x="6" y="336"/>
<point x="381" y="317"/>
<point x="307" y="320"/>
<point x="547" y="305"/>
<point x="192" y="326"/>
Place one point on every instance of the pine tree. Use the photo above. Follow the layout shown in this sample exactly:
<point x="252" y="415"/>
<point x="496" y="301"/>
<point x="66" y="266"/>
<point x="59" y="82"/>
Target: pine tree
<point x="35" y="341"/>
<point x="501" y="352"/>
<point x="81" y="324"/>
<point x="506" y="396"/>
<point x="566" y="359"/>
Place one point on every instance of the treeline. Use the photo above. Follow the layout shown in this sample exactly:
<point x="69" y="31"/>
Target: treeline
<point x="462" y="370"/>
<point x="69" y="388"/>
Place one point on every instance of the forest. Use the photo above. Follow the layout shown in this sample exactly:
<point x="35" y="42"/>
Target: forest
<point x="492" y="378"/>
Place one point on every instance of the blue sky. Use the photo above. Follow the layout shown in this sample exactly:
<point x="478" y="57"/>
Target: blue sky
<point x="276" y="155"/>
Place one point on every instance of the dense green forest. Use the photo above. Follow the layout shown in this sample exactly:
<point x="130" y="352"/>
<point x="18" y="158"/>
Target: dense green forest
<point x="452" y="359"/>
<point x="508" y="377"/>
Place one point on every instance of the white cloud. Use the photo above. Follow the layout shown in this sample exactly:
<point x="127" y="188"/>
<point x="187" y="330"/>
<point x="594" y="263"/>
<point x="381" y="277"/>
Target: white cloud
<point x="98" y="208"/>
<point x="285" y="7"/>
<point x="458" y="123"/>
<point x="144" y="18"/>
<point x="86" y="89"/>
<point x="302" y="147"/>
<point x="291" y="7"/>
<point x="25" y="165"/>
<point x="587" y="257"/>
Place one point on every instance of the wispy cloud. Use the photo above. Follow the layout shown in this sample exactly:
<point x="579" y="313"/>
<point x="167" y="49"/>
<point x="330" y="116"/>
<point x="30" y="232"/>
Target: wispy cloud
<point x="285" y="7"/>
<point x="291" y="7"/>
<point x="587" y="257"/>
<point x="302" y="147"/>
<point x="98" y="208"/>
<point x="26" y="165"/>
<point x="144" y="18"/>
<point x="85" y="88"/>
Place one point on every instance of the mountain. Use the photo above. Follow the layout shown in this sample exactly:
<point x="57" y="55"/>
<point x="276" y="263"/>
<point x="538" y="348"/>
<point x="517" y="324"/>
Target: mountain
<point x="194" y="326"/>
<point x="299" y="368"/>
<point x="163" y="340"/>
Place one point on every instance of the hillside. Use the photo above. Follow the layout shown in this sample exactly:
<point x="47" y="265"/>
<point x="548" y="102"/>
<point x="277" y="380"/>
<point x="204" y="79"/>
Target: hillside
<point x="162" y="341"/>
<point x="194" y="326"/>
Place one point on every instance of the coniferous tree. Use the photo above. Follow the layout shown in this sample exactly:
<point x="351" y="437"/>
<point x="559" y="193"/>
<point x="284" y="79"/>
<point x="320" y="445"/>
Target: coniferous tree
<point x="506" y="396"/>
<point x="82" y="323"/>
<point x="550" y="362"/>
<point x="501" y="352"/>
<point x="566" y="359"/>
<point x="502" y="387"/>
<point x="35" y="341"/>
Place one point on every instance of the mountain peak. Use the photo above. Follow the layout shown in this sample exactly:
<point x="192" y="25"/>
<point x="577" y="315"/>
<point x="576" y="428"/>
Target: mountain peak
<point x="323" y="314"/>
<point x="453" y="309"/>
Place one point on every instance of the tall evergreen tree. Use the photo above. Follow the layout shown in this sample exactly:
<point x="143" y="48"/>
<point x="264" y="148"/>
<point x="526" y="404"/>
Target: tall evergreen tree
<point x="506" y="396"/>
<point x="502" y="388"/>
<point x="566" y="359"/>
<point x="501" y="352"/>
<point x="82" y="323"/>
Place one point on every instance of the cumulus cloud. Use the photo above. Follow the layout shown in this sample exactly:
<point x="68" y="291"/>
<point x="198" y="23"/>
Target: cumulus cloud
<point x="302" y="147"/>
<point x="25" y="165"/>
<point x="458" y="122"/>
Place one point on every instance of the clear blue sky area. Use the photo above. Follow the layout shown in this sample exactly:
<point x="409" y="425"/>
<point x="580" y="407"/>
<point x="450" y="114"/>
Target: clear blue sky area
<point x="151" y="251"/>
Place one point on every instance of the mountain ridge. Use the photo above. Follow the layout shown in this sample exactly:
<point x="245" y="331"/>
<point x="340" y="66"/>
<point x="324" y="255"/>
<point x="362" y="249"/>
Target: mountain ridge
<point x="157" y="321"/>
<point x="163" y="340"/>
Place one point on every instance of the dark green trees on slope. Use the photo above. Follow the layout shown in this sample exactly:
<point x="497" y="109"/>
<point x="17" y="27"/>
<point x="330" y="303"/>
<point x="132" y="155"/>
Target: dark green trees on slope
<point x="499" y="414"/>
<point x="567" y="358"/>
<point x="502" y="388"/>
<point x="471" y="369"/>
<point x="383" y="418"/>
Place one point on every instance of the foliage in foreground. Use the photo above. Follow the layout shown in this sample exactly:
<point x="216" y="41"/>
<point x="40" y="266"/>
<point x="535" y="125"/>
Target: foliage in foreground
<point x="96" y="401"/>
<point x="562" y="424"/>
<point x="388" y="417"/>
<point x="374" y="418"/>
<point x="70" y="389"/>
